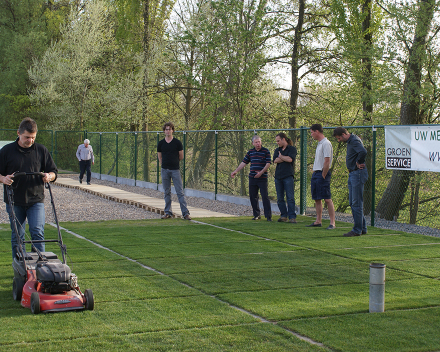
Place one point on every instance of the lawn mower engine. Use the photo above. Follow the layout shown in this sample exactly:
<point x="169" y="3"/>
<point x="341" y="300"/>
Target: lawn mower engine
<point x="55" y="277"/>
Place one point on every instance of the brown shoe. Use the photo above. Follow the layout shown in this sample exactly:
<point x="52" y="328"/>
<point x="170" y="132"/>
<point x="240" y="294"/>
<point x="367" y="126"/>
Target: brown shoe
<point x="166" y="216"/>
<point x="282" y="219"/>
<point x="187" y="217"/>
<point x="292" y="221"/>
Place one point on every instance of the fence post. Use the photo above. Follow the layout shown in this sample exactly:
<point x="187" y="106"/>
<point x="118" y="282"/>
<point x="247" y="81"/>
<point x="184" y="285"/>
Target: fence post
<point x="157" y="163"/>
<point x="184" y="158"/>
<point x="135" y="157"/>
<point x="100" y="155"/>
<point x="56" y="148"/>
<point x="303" y="171"/>
<point x="117" y="156"/>
<point x="373" y="178"/>
<point x="216" y="163"/>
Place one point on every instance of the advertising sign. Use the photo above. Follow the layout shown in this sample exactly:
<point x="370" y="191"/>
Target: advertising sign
<point x="414" y="148"/>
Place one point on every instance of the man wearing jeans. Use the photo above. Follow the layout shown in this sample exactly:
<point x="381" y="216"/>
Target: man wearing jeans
<point x="358" y="175"/>
<point x="169" y="153"/>
<point x="24" y="155"/>
<point x="284" y="157"/>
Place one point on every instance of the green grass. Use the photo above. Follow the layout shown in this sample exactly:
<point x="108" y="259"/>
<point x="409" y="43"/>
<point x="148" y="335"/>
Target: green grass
<point x="183" y="286"/>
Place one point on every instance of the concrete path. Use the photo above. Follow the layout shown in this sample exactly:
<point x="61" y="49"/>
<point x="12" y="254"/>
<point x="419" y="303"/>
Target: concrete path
<point x="151" y="204"/>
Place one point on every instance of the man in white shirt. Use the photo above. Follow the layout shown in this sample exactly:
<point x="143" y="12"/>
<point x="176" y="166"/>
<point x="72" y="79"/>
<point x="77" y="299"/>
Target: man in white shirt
<point x="320" y="184"/>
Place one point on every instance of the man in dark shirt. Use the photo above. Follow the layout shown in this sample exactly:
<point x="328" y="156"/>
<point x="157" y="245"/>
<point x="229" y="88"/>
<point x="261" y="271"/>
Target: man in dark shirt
<point x="358" y="175"/>
<point x="284" y="157"/>
<point x="259" y="157"/>
<point x="169" y="153"/>
<point x="24" y="155"/>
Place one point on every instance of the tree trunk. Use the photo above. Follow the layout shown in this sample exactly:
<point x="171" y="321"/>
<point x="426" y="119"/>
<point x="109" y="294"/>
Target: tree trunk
<point x="367" y="101"/>
<point x="391" y="201"/>
<point x="294" y="93"/>
<point x="146" y="49"/>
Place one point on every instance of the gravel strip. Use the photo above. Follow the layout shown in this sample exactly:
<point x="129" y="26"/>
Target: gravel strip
<point x="75" y="205"/>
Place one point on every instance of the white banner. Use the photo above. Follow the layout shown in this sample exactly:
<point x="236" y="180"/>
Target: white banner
<point x="412" y="147"/>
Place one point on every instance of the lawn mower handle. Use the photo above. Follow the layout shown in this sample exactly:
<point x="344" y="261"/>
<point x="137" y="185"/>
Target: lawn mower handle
<point x="22" y="173"/>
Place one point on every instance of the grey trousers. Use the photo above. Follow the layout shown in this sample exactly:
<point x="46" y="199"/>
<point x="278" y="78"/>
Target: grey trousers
<point x="167" y="176"/>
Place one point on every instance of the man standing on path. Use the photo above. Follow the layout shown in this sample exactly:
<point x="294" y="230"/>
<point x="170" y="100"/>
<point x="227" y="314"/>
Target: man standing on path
<point x="284" y="157"/>
<point x="169" y="153"/>
<point x="259" y="157"/>
<point x="86" y="158"/>
<point x="24" y="155"/>
<point x="320" y="184"/>
<point x="358" y="175"/>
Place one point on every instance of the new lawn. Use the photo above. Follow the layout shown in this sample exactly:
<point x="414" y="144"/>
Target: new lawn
<point x="241" y="285"/>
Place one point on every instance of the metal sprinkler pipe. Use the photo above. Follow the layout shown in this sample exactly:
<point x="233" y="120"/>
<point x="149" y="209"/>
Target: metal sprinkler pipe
<point x="377" y="288"/>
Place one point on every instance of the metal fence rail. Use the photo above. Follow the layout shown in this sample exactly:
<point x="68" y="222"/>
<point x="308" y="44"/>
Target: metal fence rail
<point x="210" y="157"/>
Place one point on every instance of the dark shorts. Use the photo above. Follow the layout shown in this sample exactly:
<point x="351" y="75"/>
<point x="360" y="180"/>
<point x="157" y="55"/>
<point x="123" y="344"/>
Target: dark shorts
<point x="321" y="187"/>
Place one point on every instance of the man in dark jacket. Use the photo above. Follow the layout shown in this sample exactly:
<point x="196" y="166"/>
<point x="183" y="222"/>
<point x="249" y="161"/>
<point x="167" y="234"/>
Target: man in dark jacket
<point x="24" y="155"/>
<point x="358" y="175"/>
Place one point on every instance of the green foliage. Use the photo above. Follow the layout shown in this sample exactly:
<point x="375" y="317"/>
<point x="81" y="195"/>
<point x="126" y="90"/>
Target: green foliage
<point x="26" y="29"/>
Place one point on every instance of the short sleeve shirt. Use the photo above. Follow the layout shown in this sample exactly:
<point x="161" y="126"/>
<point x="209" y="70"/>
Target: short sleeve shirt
<point x="324" y="150"/>
<point x="170" y="153"/>
<point x="258" y="160"/>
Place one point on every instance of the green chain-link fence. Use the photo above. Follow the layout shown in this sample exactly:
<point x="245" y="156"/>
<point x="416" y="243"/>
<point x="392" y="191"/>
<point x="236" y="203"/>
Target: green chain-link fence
<point x="210" y="157"/>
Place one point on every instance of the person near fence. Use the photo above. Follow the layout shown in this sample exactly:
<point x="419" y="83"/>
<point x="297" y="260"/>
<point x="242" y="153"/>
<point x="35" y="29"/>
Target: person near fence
<point x="358" y="175"/>
<point x="321" y="177"/>
<point x="24" y="155"/>
<point x="169" y="153"/>
<point x="284" y="157"/>
<point x="86" y="158"/>
<point x="259" y="158"/>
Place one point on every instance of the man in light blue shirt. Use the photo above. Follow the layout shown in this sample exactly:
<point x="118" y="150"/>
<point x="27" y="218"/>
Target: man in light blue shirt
<point x="86" y="158"/>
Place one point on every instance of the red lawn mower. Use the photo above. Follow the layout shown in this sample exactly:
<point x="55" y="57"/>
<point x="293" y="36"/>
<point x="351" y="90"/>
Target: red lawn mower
<point x="42" y="281"/>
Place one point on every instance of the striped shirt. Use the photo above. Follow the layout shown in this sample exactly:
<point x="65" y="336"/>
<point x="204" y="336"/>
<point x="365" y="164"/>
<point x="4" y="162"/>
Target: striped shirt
<point x="258" y="160"/>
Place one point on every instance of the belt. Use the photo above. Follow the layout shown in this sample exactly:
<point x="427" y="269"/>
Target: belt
<point x="317" y="171"/>
<point x="350" y="171"/>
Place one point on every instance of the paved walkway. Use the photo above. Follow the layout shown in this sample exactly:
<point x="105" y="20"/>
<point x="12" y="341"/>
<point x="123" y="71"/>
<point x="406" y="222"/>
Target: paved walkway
<point x="151" y="204"/>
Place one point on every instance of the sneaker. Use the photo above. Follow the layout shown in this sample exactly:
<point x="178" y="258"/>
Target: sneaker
<point x="166" y="216"/>
<point x="187" y="217"/>
<point x="89" y="183"/>
<point x="330" y="227"/>
<point x="292" y="221"/>
<point x="351" y="234"/>
<point x="256" y="218"/>
<point x="314" y="225"/>
<point x="282" y="219"/>
<point x="269" y="219"/>
<point x="80" y="181"/>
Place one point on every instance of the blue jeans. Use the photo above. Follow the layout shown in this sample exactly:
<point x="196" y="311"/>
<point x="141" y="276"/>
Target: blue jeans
<point x="356" y="181"/>
<point x="167" y="176"/>
<point x="285" y="185"/>
<point x="36" y="218"/>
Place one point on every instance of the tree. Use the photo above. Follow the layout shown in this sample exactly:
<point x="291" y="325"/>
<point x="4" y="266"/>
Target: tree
<point x="26" y="30"/>
<point x="411" y="107"/>
<point x="84" y="78"/>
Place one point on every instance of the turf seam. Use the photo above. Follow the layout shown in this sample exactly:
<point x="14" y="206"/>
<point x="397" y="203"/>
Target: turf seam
<point x="261" y="319"/>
